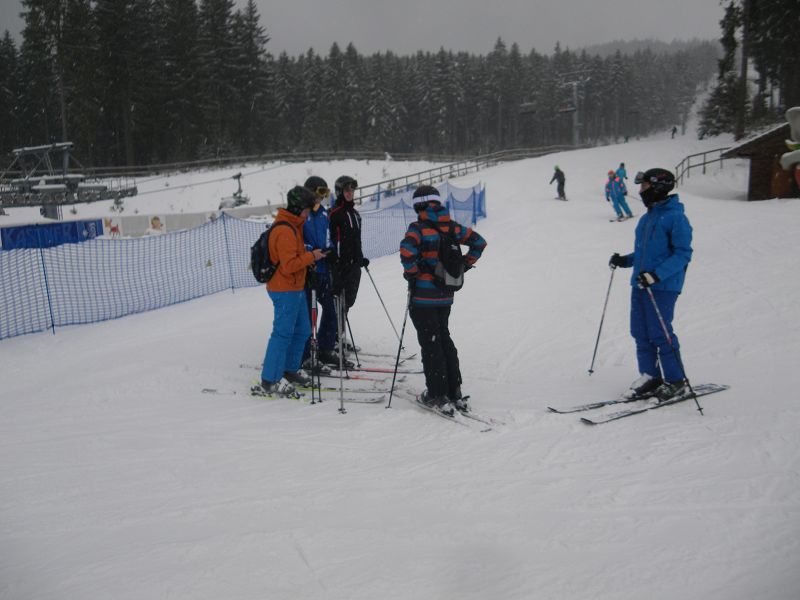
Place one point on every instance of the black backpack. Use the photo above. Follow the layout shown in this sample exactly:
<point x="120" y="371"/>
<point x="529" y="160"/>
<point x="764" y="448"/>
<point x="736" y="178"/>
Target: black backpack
<point x="448" y="274"/>
<point x="260" y="263"/>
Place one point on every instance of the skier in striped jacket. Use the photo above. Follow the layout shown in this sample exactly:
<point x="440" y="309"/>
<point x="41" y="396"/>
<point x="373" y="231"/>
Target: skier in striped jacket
<point x="429" y="304"/>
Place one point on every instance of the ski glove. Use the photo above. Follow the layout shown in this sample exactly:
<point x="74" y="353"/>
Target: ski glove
<point x="364" y="262"/>
<point x="616" y="261"/>
<point x="646" y="279"/>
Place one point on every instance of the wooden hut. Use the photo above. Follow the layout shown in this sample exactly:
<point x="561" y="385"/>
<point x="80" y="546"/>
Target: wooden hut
<point x="767" y="179"/>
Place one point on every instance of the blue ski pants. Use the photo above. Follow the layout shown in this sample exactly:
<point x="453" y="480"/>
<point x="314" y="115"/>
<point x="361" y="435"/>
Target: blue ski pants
<point x="621" y="205"/>
<point x="652" y="347"/>
<point x="290" y="330"/>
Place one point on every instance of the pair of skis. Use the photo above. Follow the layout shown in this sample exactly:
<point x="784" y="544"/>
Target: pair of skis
<point x="357" y="396"/>
<point x="377" y="375"/>
<point x="644" y="404"/>
<point x="355" y="372"/>
<point x="467" y="419"/>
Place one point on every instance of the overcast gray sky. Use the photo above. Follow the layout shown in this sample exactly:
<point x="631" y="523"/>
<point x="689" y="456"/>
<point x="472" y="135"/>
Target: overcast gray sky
<point x="405" y="26"/>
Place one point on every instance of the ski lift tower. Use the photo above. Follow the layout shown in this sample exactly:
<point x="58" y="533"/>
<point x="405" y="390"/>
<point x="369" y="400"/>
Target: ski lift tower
<point x="238" y="198"/>
<point x="40" y="175"/>
<point x="574" y="80"/>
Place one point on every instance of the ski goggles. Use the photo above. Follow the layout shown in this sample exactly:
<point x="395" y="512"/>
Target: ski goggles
<point x="350" y="186"/>
<point x="322" y="192"/>
<point x="639" y="179"/>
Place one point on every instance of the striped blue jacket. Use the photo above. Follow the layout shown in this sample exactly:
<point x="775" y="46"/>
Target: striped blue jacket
<point x="419" y="254"/>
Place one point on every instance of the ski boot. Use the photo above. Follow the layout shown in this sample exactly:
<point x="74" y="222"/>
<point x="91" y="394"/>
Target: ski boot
<point x="644" y="387"/>
<point x="318" y="369"/>
<point x="671" y="390"/>
<point x="299" y="378"/>
<point x="331" y="359"/>
<point x="348" y="347"/>
<point x="459" y="402"/>
<point x="438" y="403"/>
<point x="275" y="389"/>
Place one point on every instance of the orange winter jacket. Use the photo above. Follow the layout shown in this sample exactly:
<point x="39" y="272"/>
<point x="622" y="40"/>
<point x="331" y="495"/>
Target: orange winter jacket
<point x="286" y="247"/>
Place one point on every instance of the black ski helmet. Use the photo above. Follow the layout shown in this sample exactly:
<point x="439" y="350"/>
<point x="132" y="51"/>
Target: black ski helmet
<point x="661" y="181"/>
<point x="424" y="194"/>
<point x="343" y="182"/>
<point x="298" y="199"/>
<point x="314" y="182"/>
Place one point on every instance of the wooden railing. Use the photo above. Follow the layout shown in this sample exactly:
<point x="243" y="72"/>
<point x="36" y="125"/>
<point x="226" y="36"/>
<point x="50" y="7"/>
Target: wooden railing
<point x="456" y="169"/>
<point x="697" y="161"/>
<point x="461" y="166"/>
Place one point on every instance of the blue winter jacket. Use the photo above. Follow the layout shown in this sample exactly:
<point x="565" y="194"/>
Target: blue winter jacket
<point x="615" y="190"/>
<point x="316" y="234"/>
<point x="663" y="245"/>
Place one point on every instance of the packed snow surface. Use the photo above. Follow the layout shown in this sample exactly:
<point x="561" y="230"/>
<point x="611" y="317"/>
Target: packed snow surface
<point x="120" y="479"/>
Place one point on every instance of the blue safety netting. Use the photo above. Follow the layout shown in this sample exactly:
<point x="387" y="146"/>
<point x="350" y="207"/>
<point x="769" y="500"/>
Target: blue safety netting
<point x="384" y="228"/>
<point x="102" y="279"/>
<point x="44" y="235"/>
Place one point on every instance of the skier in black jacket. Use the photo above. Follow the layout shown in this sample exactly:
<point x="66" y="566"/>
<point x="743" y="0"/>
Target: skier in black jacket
<point x="560" y="178"/>
<point x="347" y="258"/>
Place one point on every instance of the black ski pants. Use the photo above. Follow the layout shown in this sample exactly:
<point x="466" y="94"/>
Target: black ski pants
<point x="348" y="280"/>
<point x="439" y="354"/>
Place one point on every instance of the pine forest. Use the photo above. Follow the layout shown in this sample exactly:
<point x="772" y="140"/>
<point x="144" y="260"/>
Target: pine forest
<point x="134" y="82"/>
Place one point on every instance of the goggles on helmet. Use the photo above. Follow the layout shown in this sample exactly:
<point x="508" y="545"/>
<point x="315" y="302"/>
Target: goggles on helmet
<point x="322" y="191"/>
<point x="350" y="186"/>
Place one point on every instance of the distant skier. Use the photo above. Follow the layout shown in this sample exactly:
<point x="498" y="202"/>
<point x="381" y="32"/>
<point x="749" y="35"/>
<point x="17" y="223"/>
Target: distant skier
<point x="661" y="255"/>
<point x="615" y="193"/>
<point x="558" y="176"/>
<point x="622" y="174"/>
<point x="430" y="304"/>
<point x="674" y="131"/>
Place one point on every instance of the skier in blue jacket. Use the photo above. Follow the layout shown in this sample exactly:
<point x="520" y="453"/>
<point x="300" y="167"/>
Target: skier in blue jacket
<point x="661" y="255"/>
<point x="615" y="193"/>
<point x="316" y="235"/>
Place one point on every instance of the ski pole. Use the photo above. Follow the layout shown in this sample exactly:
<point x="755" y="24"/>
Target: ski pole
<point x="355" y="352"/>
<point x="674" y="349"/>
<point x="314" y="347"/>
<point x="399" y="349"/>
<point x="602" y="318"/>
<point x="340" y="321"/>
<point x="382" y="304"/>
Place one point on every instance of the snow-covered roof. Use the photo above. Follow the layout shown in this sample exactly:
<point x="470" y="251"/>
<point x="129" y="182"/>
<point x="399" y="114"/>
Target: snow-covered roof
<point x="758" y="141"/>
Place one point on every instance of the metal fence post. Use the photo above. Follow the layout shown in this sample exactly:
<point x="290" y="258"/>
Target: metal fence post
<point x="228" y="250"/>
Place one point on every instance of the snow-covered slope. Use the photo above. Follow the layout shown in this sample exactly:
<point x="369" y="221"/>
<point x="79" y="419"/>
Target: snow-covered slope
<point x="120" y="479"/>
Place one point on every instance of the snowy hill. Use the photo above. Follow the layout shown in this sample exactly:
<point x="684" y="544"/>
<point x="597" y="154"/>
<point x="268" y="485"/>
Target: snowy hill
<point x="201" y="191"/>
<point x="120" y="479"/>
